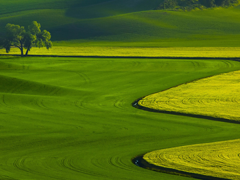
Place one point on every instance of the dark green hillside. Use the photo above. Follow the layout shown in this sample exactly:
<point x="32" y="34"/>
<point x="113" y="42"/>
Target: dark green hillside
<point x="23" y="5"/>
<point x="105" y="21"/>
<point x="80" y="8"/>
<point x="160" y="25"/>
<point x="103" y="8"/>
<point x="54" y="14"/>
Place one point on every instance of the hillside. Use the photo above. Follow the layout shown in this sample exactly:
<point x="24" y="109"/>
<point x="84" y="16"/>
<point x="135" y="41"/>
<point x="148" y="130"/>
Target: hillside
<point x="65" y="117"/>
<point x="80" y="9"/>
<point x="102" y="21"/>
<point x="72" y="119"/>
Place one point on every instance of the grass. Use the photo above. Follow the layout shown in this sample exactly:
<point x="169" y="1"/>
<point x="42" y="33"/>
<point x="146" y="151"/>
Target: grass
<point x="219" y="159"/>
<point x="71" y="118"/>
<point x="138" y="23"/>
<point x="80" y="8"/>
<point x="167" y="28"/>
<point x="215" y="96"/>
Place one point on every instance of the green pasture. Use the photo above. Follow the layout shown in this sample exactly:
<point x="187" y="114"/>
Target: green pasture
<point x="72" y="118"/>
<point x="125" y="23"/>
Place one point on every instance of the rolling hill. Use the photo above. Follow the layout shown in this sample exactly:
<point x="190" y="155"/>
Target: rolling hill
<point x="72" y="118"/>
<point x="126" y="21"/>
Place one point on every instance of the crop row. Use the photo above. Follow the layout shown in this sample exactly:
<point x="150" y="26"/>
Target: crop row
<point x="216" y="96"/>
<point x="219" y="159"/>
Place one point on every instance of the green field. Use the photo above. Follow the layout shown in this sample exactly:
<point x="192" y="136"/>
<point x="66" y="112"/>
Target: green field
<point x="215" y="97"/>
<point x="126" y="23"/>
<point x="183" y="52"/>
<point x="71" y="118"/>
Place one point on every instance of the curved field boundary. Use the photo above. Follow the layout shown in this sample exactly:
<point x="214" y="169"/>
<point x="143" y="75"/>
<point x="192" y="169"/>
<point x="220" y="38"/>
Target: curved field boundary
<point x="141" y="162"/>
<point x="59" y="137"/>
<point x="215" y="97"/>
<point x="136" y="105"/>
<point x="216" y="160"/>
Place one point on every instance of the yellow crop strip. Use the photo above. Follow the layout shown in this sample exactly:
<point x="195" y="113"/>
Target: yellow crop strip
<point x="216" y="96"/>
<point x="220" y="159"/>
<point x="134" y="51"/>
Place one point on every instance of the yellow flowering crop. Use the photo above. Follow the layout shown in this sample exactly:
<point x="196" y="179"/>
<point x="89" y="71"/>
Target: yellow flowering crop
<point x="213" y="52"/>
<point x="219" y="159"/>
<point x="217" y="96"/>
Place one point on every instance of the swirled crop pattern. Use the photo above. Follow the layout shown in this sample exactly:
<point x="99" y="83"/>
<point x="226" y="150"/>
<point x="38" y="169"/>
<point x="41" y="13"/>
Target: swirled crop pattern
<point x="219" y="159"/>
<point x="216" y="96"/>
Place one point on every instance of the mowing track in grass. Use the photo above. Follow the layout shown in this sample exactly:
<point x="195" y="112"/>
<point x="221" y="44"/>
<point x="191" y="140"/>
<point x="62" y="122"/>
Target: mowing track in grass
<point x="71" y="118"/>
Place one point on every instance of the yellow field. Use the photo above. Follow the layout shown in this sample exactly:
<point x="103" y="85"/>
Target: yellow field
<point x="135" y="51"/>
<point x="220" y="159"/>
<point x="216" y="96"/>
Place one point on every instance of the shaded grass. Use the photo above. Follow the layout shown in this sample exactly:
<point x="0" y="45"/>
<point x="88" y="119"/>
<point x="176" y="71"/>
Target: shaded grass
<point x="24" y="5"/>
<point x="85" y="8"/>
<point x="104" y="8"/>
<point x="212" y="27"/>
<point x="183" y="28"/>
<point x="94" y="132"/>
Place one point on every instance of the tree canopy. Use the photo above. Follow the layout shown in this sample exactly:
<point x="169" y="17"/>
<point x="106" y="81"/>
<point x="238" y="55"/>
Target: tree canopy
<point x="18" y="36"/>
<point x="191" y="4"/>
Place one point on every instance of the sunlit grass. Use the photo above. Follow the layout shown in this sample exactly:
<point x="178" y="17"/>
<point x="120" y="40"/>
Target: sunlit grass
<point x="204" y="52"/>
<point x="71" y="118"/>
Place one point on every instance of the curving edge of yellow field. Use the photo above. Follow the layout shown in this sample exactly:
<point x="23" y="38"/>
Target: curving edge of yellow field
<point x="216" y="96"/>
<point x="219" y="159"/>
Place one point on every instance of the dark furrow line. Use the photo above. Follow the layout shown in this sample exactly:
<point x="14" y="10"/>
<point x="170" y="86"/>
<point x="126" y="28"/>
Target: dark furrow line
<point x="132" y="57"/>
<point x="136" y="105"/>
<point x="139" y="161"/>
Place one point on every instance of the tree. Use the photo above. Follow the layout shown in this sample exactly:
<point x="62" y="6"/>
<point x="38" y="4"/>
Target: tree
<point x="168" y="4"/>
<point x="208" y="3"/>
<point x="187" y="2"/>
<point x="17" y="36"/>
<point x="1" y="43"/>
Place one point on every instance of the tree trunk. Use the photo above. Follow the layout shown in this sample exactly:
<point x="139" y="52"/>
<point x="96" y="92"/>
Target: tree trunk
<point x="21" y="51"/>
<point x="27" y="52"/>
<point x="21" y="48"/>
